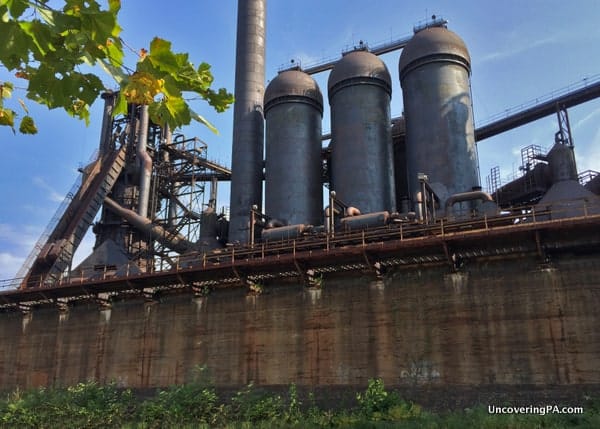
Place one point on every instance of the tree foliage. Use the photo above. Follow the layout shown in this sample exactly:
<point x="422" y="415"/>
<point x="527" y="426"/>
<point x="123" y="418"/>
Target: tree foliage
<point x="55" y="53"/>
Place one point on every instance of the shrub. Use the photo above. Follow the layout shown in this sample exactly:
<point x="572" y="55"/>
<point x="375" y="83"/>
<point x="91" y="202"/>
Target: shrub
<point x="181" y="405"/>
<point x="251" y="405"/>
<point x="376" y="403"/>
<point x="85" y="405"/>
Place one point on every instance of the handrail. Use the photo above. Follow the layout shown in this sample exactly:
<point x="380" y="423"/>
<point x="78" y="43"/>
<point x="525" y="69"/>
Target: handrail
<point x="58" y="214"/>
<point x="403" y="231"/>
<point x="583" y="83"/>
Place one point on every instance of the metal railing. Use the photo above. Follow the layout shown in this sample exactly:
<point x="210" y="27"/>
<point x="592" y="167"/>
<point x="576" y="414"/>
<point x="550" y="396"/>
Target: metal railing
<point x="583" y="83"/>
<point x="322" y="242"/>
<point x="43" y="239"/>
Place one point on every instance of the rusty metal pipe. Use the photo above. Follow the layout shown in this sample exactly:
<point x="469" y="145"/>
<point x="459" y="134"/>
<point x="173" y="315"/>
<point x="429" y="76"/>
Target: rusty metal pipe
<point x="110" y="99"/>
<point x="173" y="241"/>
<point x="145" y="163"/>
<point x="467" y="196"/>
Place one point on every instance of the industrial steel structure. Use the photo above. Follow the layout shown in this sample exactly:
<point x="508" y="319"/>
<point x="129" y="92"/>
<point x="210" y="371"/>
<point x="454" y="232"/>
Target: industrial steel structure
<point x="374" y="252"/>
<point x="293" y="183"/>
<point x="402" y="192"/>
<point x="362" y="171"/>
<point x="435" y="69"/>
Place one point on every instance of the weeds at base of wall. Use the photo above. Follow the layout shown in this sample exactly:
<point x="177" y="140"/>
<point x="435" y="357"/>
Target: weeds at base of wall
<point x="197" y="405"/>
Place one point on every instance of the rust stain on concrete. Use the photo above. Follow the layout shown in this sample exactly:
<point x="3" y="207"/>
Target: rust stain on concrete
<point x="494" y="322"/>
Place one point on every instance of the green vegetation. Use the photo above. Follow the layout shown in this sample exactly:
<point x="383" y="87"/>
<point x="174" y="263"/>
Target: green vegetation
<point x="197" y="405"/>
<point x="54" y="53"/>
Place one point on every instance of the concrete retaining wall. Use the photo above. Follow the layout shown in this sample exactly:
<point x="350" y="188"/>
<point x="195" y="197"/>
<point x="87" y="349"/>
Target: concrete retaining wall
<point x="508" y="321"/>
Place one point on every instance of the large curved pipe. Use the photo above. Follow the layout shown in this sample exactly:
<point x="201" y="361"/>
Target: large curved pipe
<point x="145" y="163"/>
<point x="173" y="241"/>
<point x="467" y="196"/>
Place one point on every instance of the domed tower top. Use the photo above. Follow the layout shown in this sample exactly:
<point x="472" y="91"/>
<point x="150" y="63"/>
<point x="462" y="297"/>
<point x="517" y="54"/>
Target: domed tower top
<point x="293" y="84"/>
<point x="356" y="65"/>
<point x="433" y="44"/>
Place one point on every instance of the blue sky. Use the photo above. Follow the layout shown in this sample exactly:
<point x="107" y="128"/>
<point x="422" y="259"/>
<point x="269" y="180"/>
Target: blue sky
<point x="520" y="50"/>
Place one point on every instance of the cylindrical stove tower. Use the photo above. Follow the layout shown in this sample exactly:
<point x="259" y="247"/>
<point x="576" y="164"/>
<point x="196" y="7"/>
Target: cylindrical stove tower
<point x="293" y="185"/>
<point x="248" y="126"/>
<point x="362" y="172"/>
<point x="435" y="69"/>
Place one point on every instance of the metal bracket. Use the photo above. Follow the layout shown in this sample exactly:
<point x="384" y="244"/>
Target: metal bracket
<point x="63" y="305"/>
<point x="454" y="261"/>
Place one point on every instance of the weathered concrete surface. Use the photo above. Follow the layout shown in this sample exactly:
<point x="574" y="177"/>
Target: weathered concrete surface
<point x="508" y="321"/>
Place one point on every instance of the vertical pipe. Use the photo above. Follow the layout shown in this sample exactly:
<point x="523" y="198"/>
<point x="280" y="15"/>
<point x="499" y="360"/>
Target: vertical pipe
<point x="105" y="133"/>
<point x="248" y="126"/>
<point x="145" y="163"/>
<point x="212" y="201"/>
<point x="167" y="140"/>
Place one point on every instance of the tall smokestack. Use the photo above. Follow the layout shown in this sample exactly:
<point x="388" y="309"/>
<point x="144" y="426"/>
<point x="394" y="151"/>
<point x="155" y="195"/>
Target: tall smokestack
<point x="248" y="125"/>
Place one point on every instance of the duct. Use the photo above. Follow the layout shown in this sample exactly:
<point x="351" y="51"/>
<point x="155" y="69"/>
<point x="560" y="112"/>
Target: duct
<point x="467" y="196"/>
<point x="248" y="127"/>
<point x="275" y="223"/>
<point x="284" y="232"/>
<point x="369" y="220"/>
<point x="174" y="241"/>
<point x="352" y="211"/>
<point x="145" y="163"/>
<point x="105" y="133"/>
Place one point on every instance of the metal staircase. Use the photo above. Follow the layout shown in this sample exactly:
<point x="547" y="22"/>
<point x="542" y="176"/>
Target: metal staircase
<point x="57" y="252"/>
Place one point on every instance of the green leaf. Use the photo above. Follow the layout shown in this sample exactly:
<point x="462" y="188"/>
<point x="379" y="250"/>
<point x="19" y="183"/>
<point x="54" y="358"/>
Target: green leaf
<point x="161" y="56"/>
<point x="6" y="89"/>
<point x="15" y="45"/>
<point x="121" y="106"/>
<point x="100" y="26"/>
<point x="45" y="48"/>
<point x="142" y="87"/>
<point x="7" y="118"/>
<point x="115" y="72"/>
<point x="204" y="121"/>
<point x="27" y="125"/>
<point x="114" y="6"/>
<point x="171" y="87"/>
<point x="173" y="111"/>
<point x="16" y="7"/>
<point x="75" y="7"/>
<point x="220" y="100"/>
<point x="86" y="87"/>
<point x="42" y="37"/>
<point x="114" y="52"/>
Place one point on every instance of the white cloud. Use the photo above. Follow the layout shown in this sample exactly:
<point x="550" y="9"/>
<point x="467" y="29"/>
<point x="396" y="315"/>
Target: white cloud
<point x="587" y="118"/>
<point x="22" y="237"/>
<point x="587" y="156"/>
<point x="9" y="265"/>
<point x="502" y="55"/>
<point x="53" y="195"/>
<point x="16" y="243"/>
